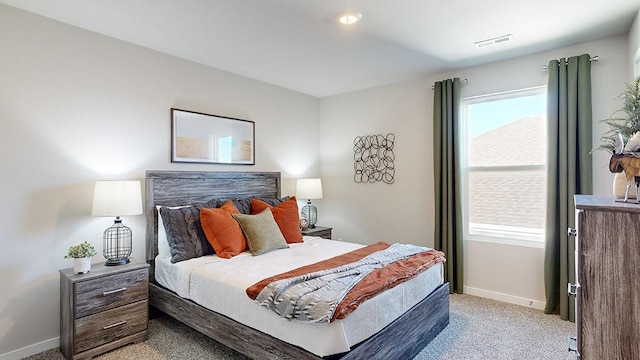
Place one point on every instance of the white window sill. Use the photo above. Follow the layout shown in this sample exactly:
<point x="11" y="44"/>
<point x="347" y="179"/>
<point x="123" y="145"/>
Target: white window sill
<point x="508" y="235"/>
<point x="526" y="242"/>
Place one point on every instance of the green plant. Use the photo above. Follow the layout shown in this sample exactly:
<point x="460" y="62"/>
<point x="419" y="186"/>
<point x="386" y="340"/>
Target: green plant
<point x="625" y="120"/>
<point x="81" y="251"/>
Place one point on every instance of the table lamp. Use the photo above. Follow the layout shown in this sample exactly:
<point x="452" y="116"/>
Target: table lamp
<point x="309" y="189"/>
<point x="117" y="198"/>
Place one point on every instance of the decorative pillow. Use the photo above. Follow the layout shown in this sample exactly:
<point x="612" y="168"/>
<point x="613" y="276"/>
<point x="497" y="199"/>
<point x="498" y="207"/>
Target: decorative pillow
<point x="163" y="242"/>
<point x="244" y="204"/>
<point x="286" y="216"/>
<point x="184" y="232"/>
<point x="272" y="202"/>
<point x="261" y="231"/>
<point x="223" y="231"/>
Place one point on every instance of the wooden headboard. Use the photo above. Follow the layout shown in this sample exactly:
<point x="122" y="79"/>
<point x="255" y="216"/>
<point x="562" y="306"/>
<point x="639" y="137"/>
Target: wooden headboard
<point x="176" y="188"/>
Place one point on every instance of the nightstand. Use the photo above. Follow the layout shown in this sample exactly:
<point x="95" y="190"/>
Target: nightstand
<point x="321" y="231"/>
<point x="103" y="309"/>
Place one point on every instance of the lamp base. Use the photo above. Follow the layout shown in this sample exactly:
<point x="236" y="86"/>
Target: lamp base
<point x="117" y="244"/>
<point x="117" y="262"/>
<point x="311" y="213"/>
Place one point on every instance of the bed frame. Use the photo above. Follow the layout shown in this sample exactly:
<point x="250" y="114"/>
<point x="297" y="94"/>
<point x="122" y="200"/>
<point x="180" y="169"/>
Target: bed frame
<point x="402" y="339"/>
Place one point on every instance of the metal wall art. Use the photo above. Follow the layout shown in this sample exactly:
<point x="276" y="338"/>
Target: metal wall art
<point x="373" y="158"/>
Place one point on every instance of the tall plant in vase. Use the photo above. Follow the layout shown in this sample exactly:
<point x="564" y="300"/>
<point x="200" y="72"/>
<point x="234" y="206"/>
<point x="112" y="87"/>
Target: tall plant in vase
<point x="626" y="122"/>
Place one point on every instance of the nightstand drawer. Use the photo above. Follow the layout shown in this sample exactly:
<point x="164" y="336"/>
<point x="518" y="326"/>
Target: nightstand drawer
<point x="319" y="231"/>
<point x="106" y="293"/>
<point x="325" y="234"/>
<point x="95" y="330"/>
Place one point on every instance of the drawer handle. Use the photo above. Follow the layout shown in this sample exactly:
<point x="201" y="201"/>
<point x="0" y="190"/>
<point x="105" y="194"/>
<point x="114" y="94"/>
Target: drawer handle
<point x="114" y="325"/>
<point x="572" y="289"/>
<point x="570" y="341"/>
<point x="107" y="293"/>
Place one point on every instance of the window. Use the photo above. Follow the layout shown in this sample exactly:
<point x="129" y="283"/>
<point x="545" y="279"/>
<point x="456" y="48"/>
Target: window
<point x="504" y="167"/>
<point x="225" y="148"/>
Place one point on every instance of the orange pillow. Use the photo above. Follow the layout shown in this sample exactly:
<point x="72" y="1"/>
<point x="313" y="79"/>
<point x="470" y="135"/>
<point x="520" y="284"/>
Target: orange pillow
<point x="286" y="215"/>
<point x="223" y="231"/>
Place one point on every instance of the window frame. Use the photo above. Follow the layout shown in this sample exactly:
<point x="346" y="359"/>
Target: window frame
<point x="496" y="233"/>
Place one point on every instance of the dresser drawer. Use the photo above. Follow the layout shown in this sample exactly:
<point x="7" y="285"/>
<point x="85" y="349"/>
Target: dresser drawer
<point x="106" y="293"/>
<point x="98" y="329"/>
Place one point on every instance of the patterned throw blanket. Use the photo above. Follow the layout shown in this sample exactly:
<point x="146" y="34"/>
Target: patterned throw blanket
<point x="335" y="287"/>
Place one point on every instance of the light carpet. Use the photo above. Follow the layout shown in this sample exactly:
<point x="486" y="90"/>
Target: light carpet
<point x="479" y="329"/>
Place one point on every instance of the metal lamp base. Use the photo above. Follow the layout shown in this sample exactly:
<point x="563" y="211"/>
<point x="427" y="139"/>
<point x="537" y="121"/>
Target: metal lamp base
<point x="117" y="244"/>
<point x="124" y="261"/>
<point x="311" y="213"/>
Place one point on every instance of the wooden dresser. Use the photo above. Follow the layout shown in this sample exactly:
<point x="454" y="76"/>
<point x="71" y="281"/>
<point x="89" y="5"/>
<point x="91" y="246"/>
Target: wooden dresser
<point x="608" y="275"/>
<point x="103" y="309"/>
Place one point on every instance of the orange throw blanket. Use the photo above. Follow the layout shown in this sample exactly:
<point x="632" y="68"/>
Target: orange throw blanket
<point x="371" y="285"/>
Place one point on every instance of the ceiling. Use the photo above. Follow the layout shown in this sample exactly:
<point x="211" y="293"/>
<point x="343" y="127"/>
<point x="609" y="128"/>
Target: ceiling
<point x="298" y="44"/>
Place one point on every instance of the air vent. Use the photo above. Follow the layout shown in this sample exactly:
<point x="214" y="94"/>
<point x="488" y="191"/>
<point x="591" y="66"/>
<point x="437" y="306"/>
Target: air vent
<point x="495" y="41"/>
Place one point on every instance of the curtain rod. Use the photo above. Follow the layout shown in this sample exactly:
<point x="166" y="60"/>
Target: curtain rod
<point x="463" y="81"/>
<point x="593" y="59"/>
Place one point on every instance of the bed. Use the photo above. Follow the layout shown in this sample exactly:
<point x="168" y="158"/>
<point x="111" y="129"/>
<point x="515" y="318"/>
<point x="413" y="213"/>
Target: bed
<point x="404" y="337"/>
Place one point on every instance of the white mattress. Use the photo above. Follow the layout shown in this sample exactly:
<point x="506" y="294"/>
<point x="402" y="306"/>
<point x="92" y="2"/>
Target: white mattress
<point x="219" y="285"/>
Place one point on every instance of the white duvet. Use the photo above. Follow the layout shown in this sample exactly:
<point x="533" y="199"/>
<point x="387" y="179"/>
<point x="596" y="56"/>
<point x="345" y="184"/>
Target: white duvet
<point x="219" y="285"/>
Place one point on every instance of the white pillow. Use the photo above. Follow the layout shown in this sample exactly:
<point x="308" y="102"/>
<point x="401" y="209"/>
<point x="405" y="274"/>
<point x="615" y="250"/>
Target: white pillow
<point x="163" y="242"/>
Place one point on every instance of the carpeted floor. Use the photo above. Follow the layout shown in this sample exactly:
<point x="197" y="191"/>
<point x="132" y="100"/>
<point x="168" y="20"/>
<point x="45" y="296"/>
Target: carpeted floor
<point x="478" y="329"/>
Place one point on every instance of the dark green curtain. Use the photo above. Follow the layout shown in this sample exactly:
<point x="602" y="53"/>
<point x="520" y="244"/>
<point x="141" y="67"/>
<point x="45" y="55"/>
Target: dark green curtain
<point x="569" y="127"/>
<point x="446" y="149"/>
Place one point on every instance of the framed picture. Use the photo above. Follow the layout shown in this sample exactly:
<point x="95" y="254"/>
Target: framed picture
<point x="205" y="138"/>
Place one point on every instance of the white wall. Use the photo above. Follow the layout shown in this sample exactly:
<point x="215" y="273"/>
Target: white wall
<point x="76" y="107"/>
<point x="404" y="211"/>
<point x="369" y="212"/>
<point x="634" y="45"/>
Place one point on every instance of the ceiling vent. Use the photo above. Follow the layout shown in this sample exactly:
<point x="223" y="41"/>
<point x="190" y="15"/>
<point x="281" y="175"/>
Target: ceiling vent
<point x="495" y="41"/>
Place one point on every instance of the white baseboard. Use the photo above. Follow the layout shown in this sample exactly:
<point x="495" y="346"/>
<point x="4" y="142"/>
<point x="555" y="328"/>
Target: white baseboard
<point x="511" y="299"/>
<point x="31" y="349"/>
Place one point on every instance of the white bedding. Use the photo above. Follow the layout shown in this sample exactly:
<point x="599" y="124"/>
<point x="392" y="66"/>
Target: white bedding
<point x="219" y="285"/>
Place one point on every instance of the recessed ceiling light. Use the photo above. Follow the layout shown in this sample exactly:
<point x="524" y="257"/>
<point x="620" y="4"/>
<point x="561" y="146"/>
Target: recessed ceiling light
<point x="348" y="17"/>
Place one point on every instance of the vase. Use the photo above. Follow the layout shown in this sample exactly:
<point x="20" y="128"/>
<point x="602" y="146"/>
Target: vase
<point x="620" y="186"/>
<point x="81" y="265"/>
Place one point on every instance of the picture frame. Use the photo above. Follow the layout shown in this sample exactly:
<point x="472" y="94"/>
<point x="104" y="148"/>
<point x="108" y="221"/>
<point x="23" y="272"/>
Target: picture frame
<point x="211" y="139"/>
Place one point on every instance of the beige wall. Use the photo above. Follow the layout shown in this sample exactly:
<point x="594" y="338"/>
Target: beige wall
<point x="404" y="211"/>
<point x="76" y="107"/>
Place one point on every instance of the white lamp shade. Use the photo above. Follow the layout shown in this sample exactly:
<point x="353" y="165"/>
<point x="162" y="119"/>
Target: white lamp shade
<point x="117" y="198"/>
<point x="309" y="189"/>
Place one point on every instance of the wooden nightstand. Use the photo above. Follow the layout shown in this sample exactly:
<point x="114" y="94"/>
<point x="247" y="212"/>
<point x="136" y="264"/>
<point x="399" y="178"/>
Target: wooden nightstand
<point x="321" y="231"/>
<point x="103" y="309"/>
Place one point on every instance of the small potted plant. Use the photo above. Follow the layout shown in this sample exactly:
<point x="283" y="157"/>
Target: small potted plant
<point x="81" y="255"/>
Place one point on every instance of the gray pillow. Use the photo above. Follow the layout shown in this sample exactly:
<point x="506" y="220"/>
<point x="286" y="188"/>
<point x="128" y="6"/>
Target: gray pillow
<point x="261" y="231"/>
<point x="244" y="204"/>
<point x="184" y="232"/>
